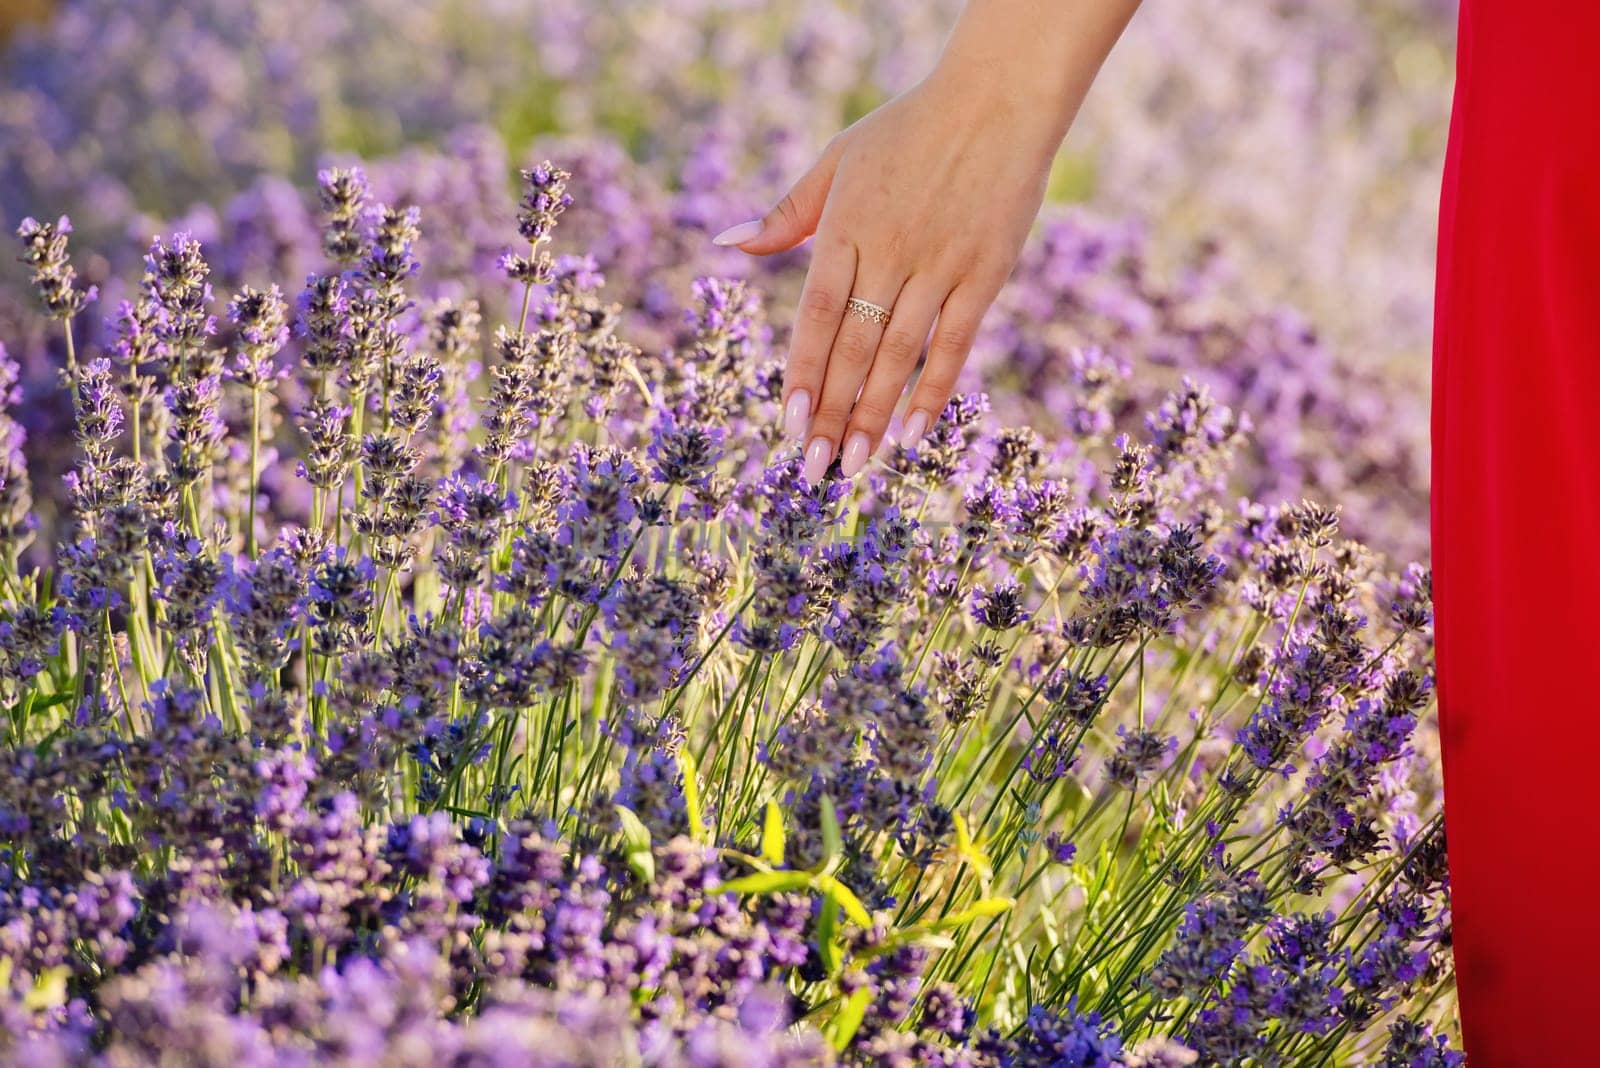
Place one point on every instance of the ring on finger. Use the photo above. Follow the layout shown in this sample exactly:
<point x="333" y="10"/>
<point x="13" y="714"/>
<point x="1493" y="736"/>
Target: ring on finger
<point x="867" y="312"/>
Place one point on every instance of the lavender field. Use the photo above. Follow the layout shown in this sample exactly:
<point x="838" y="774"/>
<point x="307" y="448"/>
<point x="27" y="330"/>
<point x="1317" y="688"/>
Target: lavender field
<point x="419" y="646"/>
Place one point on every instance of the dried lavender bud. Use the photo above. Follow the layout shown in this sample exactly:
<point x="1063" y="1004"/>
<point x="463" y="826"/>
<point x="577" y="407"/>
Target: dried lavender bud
<point x="1000" y="608"/>
<point x="414" y="394"/>
<point x="1413" y="1044"/>
<point x="544" y="198"/>
<point x="44" y="251"/>
<point x="472" y="512"/>
<point x="343" y="194"/>
<point x="338" y="601"/>
<point x="328" y="445"/>
<point x="511" y="397"/>
<point x="264" y="598"/>
<point x="1139" y="753"/>
<point x="175" y="282"/>
<point x="683" y="454"/>
<point x="98" y="414"/>
<point x="258" y="317"/>
<point x="323" y="325"/>
<point x="390" y="257"/>
<point x="27" y="637"/>
<point x="190" y="586"/>
<point x="197" y="429"/>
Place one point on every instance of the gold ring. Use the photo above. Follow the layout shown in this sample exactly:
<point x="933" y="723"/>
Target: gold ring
<point x="867" y="311"/>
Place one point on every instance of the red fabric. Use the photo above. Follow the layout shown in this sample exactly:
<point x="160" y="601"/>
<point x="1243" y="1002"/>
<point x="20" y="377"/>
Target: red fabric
<point x="1515" y="516"/>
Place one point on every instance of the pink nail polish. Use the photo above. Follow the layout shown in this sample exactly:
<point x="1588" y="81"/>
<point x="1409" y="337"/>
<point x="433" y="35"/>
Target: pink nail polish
<point x="738" y="235"/>
<point x="916" y="426"/>
<point x="818" y="453"/>
<point x="797" y="415"/>
<point x="855" y="454"/>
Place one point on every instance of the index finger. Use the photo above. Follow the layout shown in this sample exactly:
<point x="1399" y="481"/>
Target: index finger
<point x="817" y="319"/>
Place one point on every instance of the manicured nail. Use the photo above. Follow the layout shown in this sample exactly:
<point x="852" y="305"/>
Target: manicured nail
<point x="916" y="426"/>
<point x="738" y="235"/>
<point x="818" y="453"/>
<point x="797" y="415"/>
<point x="856" y="451"/>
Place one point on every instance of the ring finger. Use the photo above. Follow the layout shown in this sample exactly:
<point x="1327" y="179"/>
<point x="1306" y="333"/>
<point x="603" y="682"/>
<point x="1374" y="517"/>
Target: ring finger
<point x="902" y="344"/>
<point x="848" y="362"/>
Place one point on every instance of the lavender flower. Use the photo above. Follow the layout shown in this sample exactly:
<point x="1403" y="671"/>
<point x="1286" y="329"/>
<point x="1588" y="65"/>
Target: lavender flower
<point x="55" y="282"/>
<point x="258" y="316"/>
<point x="586" y="729"/>
<point x="1414" y="1045"/>
<point x="343" y="194"/>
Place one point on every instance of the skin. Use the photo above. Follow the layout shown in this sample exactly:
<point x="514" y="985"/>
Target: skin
<point x="922" y="207"/>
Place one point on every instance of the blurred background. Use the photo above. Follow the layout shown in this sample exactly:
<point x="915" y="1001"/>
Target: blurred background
<point x="1248" y="198"/>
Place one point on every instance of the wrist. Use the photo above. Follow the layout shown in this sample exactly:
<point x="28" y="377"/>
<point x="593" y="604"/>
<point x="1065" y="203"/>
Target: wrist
<point x="1033" y="58"/>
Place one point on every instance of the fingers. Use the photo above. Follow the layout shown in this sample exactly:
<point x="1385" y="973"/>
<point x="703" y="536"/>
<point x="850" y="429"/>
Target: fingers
<point x="901" y="345"/>
<point x="794" y="218"/>
<point x="848" y="362"/>
<point x="822" y="301"/>
<point x="957" y="328"/>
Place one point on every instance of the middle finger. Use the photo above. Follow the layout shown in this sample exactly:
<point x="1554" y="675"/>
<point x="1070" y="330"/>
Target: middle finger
<point x="848" y="363"/>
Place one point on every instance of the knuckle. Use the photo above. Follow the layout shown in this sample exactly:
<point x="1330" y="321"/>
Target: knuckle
<point x="894" y="244"/>
<point x="938" y="379"/>
<point x="871" y="415"/>
<point x="852" y="349"/>
<point x="829" y="420"/>
<point x="800" y="374"/>
<point x="900" y="347"/>
<point x="819" y="307"/>
<point x="955" y="338"/>
<point x="820" y="302"/>
<point x="933" y="401"/>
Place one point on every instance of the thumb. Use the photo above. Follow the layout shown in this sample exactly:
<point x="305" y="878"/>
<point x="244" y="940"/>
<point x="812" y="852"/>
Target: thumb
<point x="793" y="219"/>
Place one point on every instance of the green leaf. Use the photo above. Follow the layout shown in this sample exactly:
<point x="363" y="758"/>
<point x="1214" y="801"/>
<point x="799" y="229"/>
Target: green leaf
<point x="908" y="936"/>
<point x="48" y="742"/>
<point x="827" y="934"/>
<point x="772" y="841"/>
<point x="766" y="882"/>
<point x="845" y="897"/>
<point x="847" y="1021"/>
<point x="636" y="844"/>
<point x="470" y="813"/>
<point x="978" y="910"/>
<point x="832" y="839"/>
<point x="691" y="794"/>
<point x="120" y="823"/>
<point x="50" y="701"/>
<point x="971" y="850"/>
<point x="635" y="835"/>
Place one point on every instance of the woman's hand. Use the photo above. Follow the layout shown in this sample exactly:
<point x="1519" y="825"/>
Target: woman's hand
<point x="921" y="208"/>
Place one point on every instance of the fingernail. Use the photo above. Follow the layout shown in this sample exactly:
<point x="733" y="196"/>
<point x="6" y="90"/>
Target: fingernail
<point x="916" y="426"/>
<point x="856" y="450"/>
<point x="797" y="414"/>
<point x="738" y="235"/>
<point x="818" y="453"/>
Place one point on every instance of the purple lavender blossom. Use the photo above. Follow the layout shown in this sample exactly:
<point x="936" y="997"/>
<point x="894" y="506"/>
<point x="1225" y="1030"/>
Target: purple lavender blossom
<point x="590" y="714"/>
<point x="55" y="282"/>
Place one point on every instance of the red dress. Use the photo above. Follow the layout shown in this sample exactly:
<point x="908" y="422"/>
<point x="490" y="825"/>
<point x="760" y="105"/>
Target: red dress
<point x="1516" y="528"/>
